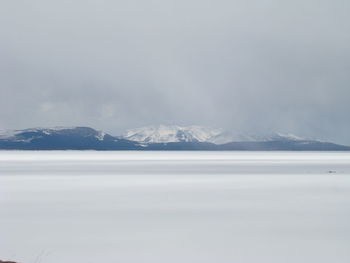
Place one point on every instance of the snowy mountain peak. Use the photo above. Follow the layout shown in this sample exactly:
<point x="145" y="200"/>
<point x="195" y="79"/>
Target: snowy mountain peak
<point x="174" y="133"/>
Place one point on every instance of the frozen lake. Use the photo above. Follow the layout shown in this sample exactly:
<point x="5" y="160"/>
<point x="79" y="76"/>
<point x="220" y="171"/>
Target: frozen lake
<point x="175" y="207"/>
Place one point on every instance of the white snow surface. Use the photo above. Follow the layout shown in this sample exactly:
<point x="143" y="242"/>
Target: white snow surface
<point x="100" y="136"/>
<point x="174" y="133"/>
<point x="205" y="207"/>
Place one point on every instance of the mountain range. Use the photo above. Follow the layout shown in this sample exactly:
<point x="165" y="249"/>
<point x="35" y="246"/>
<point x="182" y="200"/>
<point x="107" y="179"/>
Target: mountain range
<point x="159" y="137"/>
<point x="174" y="133"/>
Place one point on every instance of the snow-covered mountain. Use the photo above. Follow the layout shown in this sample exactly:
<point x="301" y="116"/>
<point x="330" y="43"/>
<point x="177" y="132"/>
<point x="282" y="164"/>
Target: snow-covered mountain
<point x="276" y="136"/>
<point x="62" y="138"/>
<point x="165" y="138"/>
<point x="35" y="133"/>
<point x="174" y="133"/>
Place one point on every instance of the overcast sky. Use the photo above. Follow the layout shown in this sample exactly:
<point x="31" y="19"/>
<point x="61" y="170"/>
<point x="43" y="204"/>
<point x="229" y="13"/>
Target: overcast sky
<point x="249" y="65"/>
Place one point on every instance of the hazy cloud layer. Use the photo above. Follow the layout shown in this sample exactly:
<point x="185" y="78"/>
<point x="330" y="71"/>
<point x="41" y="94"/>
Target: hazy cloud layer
<point x="255" y="66"/>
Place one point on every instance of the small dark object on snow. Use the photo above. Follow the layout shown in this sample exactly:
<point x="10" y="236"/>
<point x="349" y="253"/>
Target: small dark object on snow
<point x="330" y="172"/>
<point x="7" y="261"/>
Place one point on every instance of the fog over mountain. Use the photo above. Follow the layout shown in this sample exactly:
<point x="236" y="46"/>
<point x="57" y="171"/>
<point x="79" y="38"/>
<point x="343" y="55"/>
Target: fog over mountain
<point x="252" y="67"/>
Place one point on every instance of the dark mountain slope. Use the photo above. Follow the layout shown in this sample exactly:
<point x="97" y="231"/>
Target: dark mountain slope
<point x="76" y="138"/>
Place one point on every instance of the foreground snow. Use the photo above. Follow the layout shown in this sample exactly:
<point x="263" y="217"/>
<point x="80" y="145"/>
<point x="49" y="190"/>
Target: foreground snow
<point x="175" y="207"/>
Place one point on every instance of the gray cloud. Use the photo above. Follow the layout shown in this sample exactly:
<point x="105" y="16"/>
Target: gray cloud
<point x="255" y="66"/>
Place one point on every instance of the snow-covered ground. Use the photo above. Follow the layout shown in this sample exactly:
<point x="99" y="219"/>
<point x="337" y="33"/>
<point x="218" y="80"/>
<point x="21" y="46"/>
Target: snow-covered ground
<point x="173" y="207"/>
